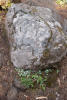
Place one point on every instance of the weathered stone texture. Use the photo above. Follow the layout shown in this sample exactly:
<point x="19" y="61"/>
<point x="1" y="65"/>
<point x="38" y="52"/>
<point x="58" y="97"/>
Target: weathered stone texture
<point x="36" y="38"/>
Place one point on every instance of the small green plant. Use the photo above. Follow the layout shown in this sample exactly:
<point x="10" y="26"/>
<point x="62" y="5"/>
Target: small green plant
<point x="57" y="71"/>
<point x="47" y="71"/>
<point x="32" y="79"/>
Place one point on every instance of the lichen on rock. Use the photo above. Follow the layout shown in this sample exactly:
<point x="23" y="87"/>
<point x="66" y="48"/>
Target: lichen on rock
<point x="35" y="37"/>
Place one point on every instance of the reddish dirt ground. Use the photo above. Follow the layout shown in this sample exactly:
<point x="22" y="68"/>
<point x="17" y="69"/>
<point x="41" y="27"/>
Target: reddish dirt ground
<point x="8" y="75"/>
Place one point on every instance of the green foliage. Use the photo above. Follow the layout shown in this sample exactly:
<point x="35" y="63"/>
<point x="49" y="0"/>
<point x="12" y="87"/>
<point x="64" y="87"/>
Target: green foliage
<point x="48" y="70"/>
<point x="31" y="79"/>
<point x="27" y="81"/>
<point x="57" y="71"/>
<point x="37" y="79"/>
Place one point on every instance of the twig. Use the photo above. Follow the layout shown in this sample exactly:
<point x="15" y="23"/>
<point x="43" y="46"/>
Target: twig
<point x="42" y="97"/>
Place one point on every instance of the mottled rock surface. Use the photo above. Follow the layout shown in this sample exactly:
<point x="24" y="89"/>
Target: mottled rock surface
<point x="60" y="13"/>
<point x="19" y="85"/>
<point x="36" y="38"/>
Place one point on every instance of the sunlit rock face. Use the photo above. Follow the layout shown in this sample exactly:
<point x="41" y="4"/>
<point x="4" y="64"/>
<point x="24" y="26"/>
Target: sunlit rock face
<point x="60" y="13"/>
<point x="36" y="38"/>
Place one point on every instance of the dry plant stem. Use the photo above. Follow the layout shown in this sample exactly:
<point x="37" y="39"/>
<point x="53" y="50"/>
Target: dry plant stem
<point x="42" y="97"/>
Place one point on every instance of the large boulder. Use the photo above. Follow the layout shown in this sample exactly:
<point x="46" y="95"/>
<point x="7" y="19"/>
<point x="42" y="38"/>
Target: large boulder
<point x="36" y="38"/>
<point x="60" y="13"/>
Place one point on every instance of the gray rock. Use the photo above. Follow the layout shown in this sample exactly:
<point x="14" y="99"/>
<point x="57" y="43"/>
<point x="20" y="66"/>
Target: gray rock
<point x="59" y="15"/>
<point x="18" y="85"/>
<point x="45" y="3"/>
<point x="12" y="94"/>
<point x="36" y="38"/>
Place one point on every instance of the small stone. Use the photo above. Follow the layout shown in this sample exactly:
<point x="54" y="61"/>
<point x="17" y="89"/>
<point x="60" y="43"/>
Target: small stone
<point x="12" y="94"/>
<point x="18" y="85"/>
